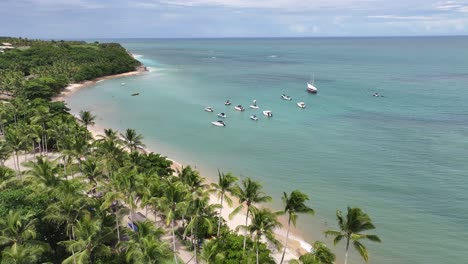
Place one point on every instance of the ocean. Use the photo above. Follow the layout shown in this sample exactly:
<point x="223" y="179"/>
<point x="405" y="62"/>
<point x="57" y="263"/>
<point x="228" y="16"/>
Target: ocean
<point x="401" y="157"/>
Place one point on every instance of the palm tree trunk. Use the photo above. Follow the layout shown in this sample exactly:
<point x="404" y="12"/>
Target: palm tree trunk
<point x="196" y="247"/>
<point x="346" y="255"/>
<point x="34" y="149"/>
<point x="257" y="251"/>
<point x="73" y="251"/>
<point x="15" y="165"/>
<point x="45" y="143"/>
<point x="173" y="242"/>
<point x="245" y="232"/>
<point x="18" y="164"/>
<point x="117" y="226"/>
<point x="287" y="238"/>
<point x="220" y="210"/>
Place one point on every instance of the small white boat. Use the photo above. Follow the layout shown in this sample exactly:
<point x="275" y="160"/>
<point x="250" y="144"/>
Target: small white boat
<point x="209" y="109"/>
<point x="301" y="105"/>
<point x="222" y="115"/>
<point x="219" y="123"/>
<point x="254" y="106"/>
<point x="286" y="97"/>
<point x="254" y="117"/>
<point x="268" y="113"/>
<point x="310" y="86"/>
<point x="122" y="84"/>
<point x="239" y="108"/>
<point x="228" y="102"/>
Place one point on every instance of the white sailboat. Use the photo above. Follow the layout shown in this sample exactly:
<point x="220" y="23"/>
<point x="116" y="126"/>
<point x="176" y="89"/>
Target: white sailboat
<point x="310" y="86"/>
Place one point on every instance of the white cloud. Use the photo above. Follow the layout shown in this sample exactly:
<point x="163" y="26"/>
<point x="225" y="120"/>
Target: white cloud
<point x="272" y="4"/>
<point x="67" y="3"/>
<point x="453" y="6"/>
<point x="396" y="17"/>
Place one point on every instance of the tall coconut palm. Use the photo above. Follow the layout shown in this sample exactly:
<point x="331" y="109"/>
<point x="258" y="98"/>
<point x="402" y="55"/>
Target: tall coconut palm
<point x="264" y="222"/>
<point x="92" y="238"/>
<point x="20" y="254"/>
<point x="43" y="173"/>
<point x="6" y="177"/>
<point x="113" y="200"/>
<point x="87" y="119"/>
<point x="145" y="245"/>
<point x="17" y="229"/>
<point x="91" y="170"/>
<point x="15" y="140"/>
<point x="5" y="152"/>
<point x="351" y="227"/>
<point x="132" y="140"/>
<point x="201" y="214"/>
<point x="294" y="205"/>
<point x="225" y="185"/>
<point x="249" y="194"/>
<point x="41" y="116"/>
<point x="172" y="203"/>
<point x="67" y="209"/>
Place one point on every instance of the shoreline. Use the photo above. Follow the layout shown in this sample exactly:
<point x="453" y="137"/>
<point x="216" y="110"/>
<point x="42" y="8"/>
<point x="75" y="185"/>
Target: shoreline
<point x="74" y="87"/>
<point x="297" y="246"/>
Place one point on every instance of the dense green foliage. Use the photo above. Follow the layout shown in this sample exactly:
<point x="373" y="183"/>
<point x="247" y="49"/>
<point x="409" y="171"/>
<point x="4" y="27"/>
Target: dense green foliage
<point x="227" y="249"/>
<point x="45" y="67"/>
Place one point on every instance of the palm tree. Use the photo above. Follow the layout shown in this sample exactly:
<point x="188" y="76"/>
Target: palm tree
<point x="20" y="254"/>
<point x="294" y="205"/>
<point x="320" y="254"/>
<point x="356" y="221"/>
<point x="112" y="201"/>
<point x="6" y="177"/>
<point x="250" y="193"/>
<point x="5" y="152"/>
<point x="17" y="229"/>
<point x="68" y="208"/>
<point x="92" y="238"/>
<point x="224" y="185"/>
<point x="172" y="203"/>
<point x="200" y="219"/>
<point x="87" y="119"/>
<point x="145" y="245"/>
<point x="132" y="140"/>
<point x="43" y="173"/>
<point x="91" y="170"/>
<point x="264" y="222"/>
<point x="15" y="140"/>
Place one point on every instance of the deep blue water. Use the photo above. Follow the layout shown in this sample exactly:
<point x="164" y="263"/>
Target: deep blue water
<point x="401" y="157"/>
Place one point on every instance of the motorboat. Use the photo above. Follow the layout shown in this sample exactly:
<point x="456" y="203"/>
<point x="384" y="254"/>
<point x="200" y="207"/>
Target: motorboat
<point x="254" y="117"/>
<point x="286" y="97"/>
<point x="254" y="106"/>
<point x="135" y="94"/>
<point x="209" y="109"/>
<point x="219" y="123"/>
<point x="239" y="108"/>
<point x="228" y="102"/>
<point x="122" y="84"/>
<point x="268" y="113"/>
<point x="222" y="115"/>
<point x="301" y="105"/>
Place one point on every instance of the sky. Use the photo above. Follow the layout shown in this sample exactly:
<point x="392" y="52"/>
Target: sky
<point x="61" y="19"/>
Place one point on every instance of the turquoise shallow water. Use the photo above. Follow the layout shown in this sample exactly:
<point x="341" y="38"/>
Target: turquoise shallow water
<point x="402" y="158"/>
